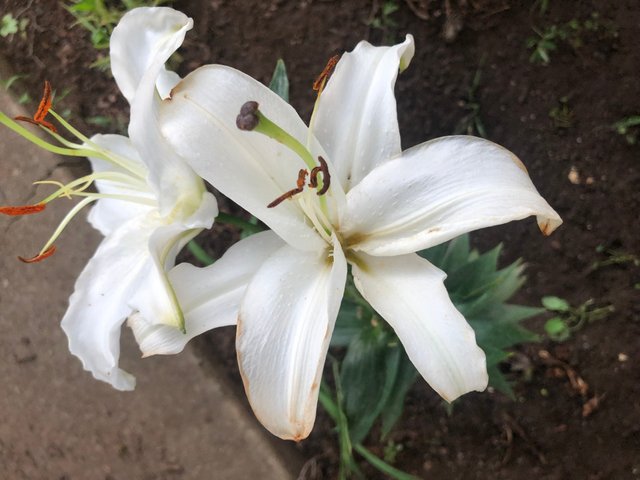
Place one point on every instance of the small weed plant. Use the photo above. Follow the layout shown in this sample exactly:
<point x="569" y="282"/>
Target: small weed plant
<point x="562" y="114"/>
<point x="573" y="33"/>
<point x="629" y="128"/>
<point x="100" y="17"/>
<point x="471" y="123"/>
<point x="569" y="319"/>
<point x="383" y="20"/>
<point x="10" y="25"/>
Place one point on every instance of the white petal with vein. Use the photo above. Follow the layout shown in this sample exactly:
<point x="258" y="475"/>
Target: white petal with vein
<point x="210" y="297"/>
<point x="356" y="120"/>
<point x="285" y="324"/>
<point x="437" y="191"/>
<point x="410" y="295"/>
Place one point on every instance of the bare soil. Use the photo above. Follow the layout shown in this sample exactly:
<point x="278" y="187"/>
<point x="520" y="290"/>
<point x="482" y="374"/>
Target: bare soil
<point x="577" y="407"/>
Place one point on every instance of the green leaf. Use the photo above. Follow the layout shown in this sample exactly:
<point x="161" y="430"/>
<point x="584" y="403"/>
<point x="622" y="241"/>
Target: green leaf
<point x="368" y="373"/>
<point x="8" y="25"/>
<point x="349" y="324"/>
<point x="392" y="410"/>
<point x="555" y="304"/>
<point x="280" y="81"/>
<point x="557" y="329"/>
<point x="200" y="254"/>
<point x="498" y="381"/>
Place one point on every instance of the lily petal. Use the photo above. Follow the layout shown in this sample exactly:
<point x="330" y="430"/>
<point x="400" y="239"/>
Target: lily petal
<point x="157" y="302"/>
<point x="251" y="169"/>
<point x="109" y="214"/>
<point x="410" y="295"/>
<point x="284" y="328"/>
<point x="142" y="42"/>
<point x="135" y="42"/>
<point x="210" y="297"/>
<point x="98" y="306"/>
<point x="356" y="120"/>
<point x="437" y="191"/>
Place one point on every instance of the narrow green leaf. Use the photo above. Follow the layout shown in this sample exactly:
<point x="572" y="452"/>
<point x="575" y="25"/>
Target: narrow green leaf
<point x="198" y="252"/>
<point x="280" y="81"/>
<point x="383" y="466"/>
<point x="368" y="373"/>
<point x="349" y="324"/>
<point x="392" y="410"/>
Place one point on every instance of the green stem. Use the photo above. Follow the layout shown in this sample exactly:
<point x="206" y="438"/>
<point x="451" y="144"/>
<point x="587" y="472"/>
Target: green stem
<point x="381" y="465"/>
<point x="347" y="462"/>
<point x="200" y="254"/>
<point x="270" y="129"/>
<point x="239" y="222"/>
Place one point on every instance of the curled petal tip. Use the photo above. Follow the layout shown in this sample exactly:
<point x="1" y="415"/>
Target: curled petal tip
<point x="41" y="256"/>
<point x="23" y="209"/>
<point x="548" y="226"/>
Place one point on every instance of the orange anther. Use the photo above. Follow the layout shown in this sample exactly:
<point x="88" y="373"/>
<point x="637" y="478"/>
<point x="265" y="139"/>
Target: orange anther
<point x="302" y="176"/>
<point x="23" y="209"/>
<point x="46" y="254"/>
<point x="43" y="109"/>
<point x="320" y="82"/>
<point x="45" y="103"/>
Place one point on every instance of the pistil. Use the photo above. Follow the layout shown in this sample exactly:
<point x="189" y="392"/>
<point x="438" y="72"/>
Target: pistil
<point x="252" y="119"/>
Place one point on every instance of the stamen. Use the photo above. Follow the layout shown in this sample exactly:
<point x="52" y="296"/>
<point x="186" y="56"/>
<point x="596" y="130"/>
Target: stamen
<point x="60" y="185"/>
<point x="302" y="176"/>
<point x="45" y="103"/>
<point x="41" y="256"/>
<point x="43" y="109"/>
<point x="23" y="209"/>
<point x="326" y="177"/>
<point x="321" y="81"/>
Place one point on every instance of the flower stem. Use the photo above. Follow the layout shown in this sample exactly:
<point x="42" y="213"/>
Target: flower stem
<point x="239" y="222"/>
<point x="200" y="254"/>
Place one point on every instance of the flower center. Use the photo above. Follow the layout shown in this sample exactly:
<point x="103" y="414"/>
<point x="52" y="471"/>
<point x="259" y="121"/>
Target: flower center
<point x="251" y="118"/>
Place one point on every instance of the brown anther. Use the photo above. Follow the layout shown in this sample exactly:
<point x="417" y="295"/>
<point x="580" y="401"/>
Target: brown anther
<point x="320" y="82"/>
<point x="326" y="177"/>
<point x="248" y="118"/>
<point x="23" y="209"/>
<point x="38" y="258"/>
<point x="302" y="176"/>
<point x="43" y="110"/>
<point x="313" y="177"/>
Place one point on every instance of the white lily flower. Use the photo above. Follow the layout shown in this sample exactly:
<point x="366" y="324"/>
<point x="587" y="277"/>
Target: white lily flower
<point x="128" y="273"/>
<point x="368" y="204"/>
<point x="149" y="204"/>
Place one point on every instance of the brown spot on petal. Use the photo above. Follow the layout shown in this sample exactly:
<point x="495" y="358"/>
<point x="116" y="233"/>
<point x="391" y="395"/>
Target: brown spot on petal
<point x="545" y="228"/>
<point x="519" y="163"/>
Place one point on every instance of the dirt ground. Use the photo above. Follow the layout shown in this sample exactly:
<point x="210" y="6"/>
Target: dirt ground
<point x="577" y="407"/>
